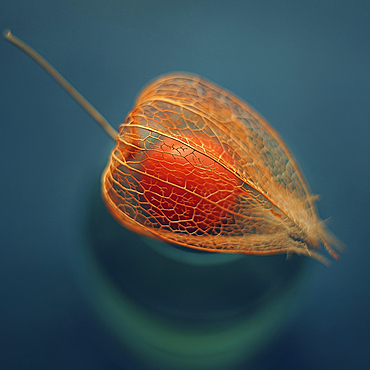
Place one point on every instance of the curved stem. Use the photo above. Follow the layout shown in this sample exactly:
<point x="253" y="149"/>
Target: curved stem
<point x="63" y="82"/>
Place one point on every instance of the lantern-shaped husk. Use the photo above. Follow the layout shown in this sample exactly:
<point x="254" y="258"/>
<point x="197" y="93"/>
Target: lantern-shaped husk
<point x="195" y="165"/>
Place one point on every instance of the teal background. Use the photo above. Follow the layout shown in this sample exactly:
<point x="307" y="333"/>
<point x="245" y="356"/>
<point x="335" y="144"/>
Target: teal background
<point x="303" y="65"/>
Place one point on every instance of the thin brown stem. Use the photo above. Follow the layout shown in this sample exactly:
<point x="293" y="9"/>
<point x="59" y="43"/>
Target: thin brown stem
<point x="63" y="82"/>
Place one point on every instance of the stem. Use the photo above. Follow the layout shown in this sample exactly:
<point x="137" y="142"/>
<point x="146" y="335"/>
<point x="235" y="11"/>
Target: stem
<point x="63" y="82"/>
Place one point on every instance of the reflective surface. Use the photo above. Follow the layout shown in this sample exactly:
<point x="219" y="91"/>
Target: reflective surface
<point x="178" y="308"/>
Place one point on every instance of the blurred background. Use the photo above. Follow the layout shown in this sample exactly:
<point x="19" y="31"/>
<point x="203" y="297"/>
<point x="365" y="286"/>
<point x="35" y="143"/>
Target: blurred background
<point x="303" y="65"/>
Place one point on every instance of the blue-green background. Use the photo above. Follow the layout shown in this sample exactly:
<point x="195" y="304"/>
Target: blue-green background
<point x="303" y="64"/>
